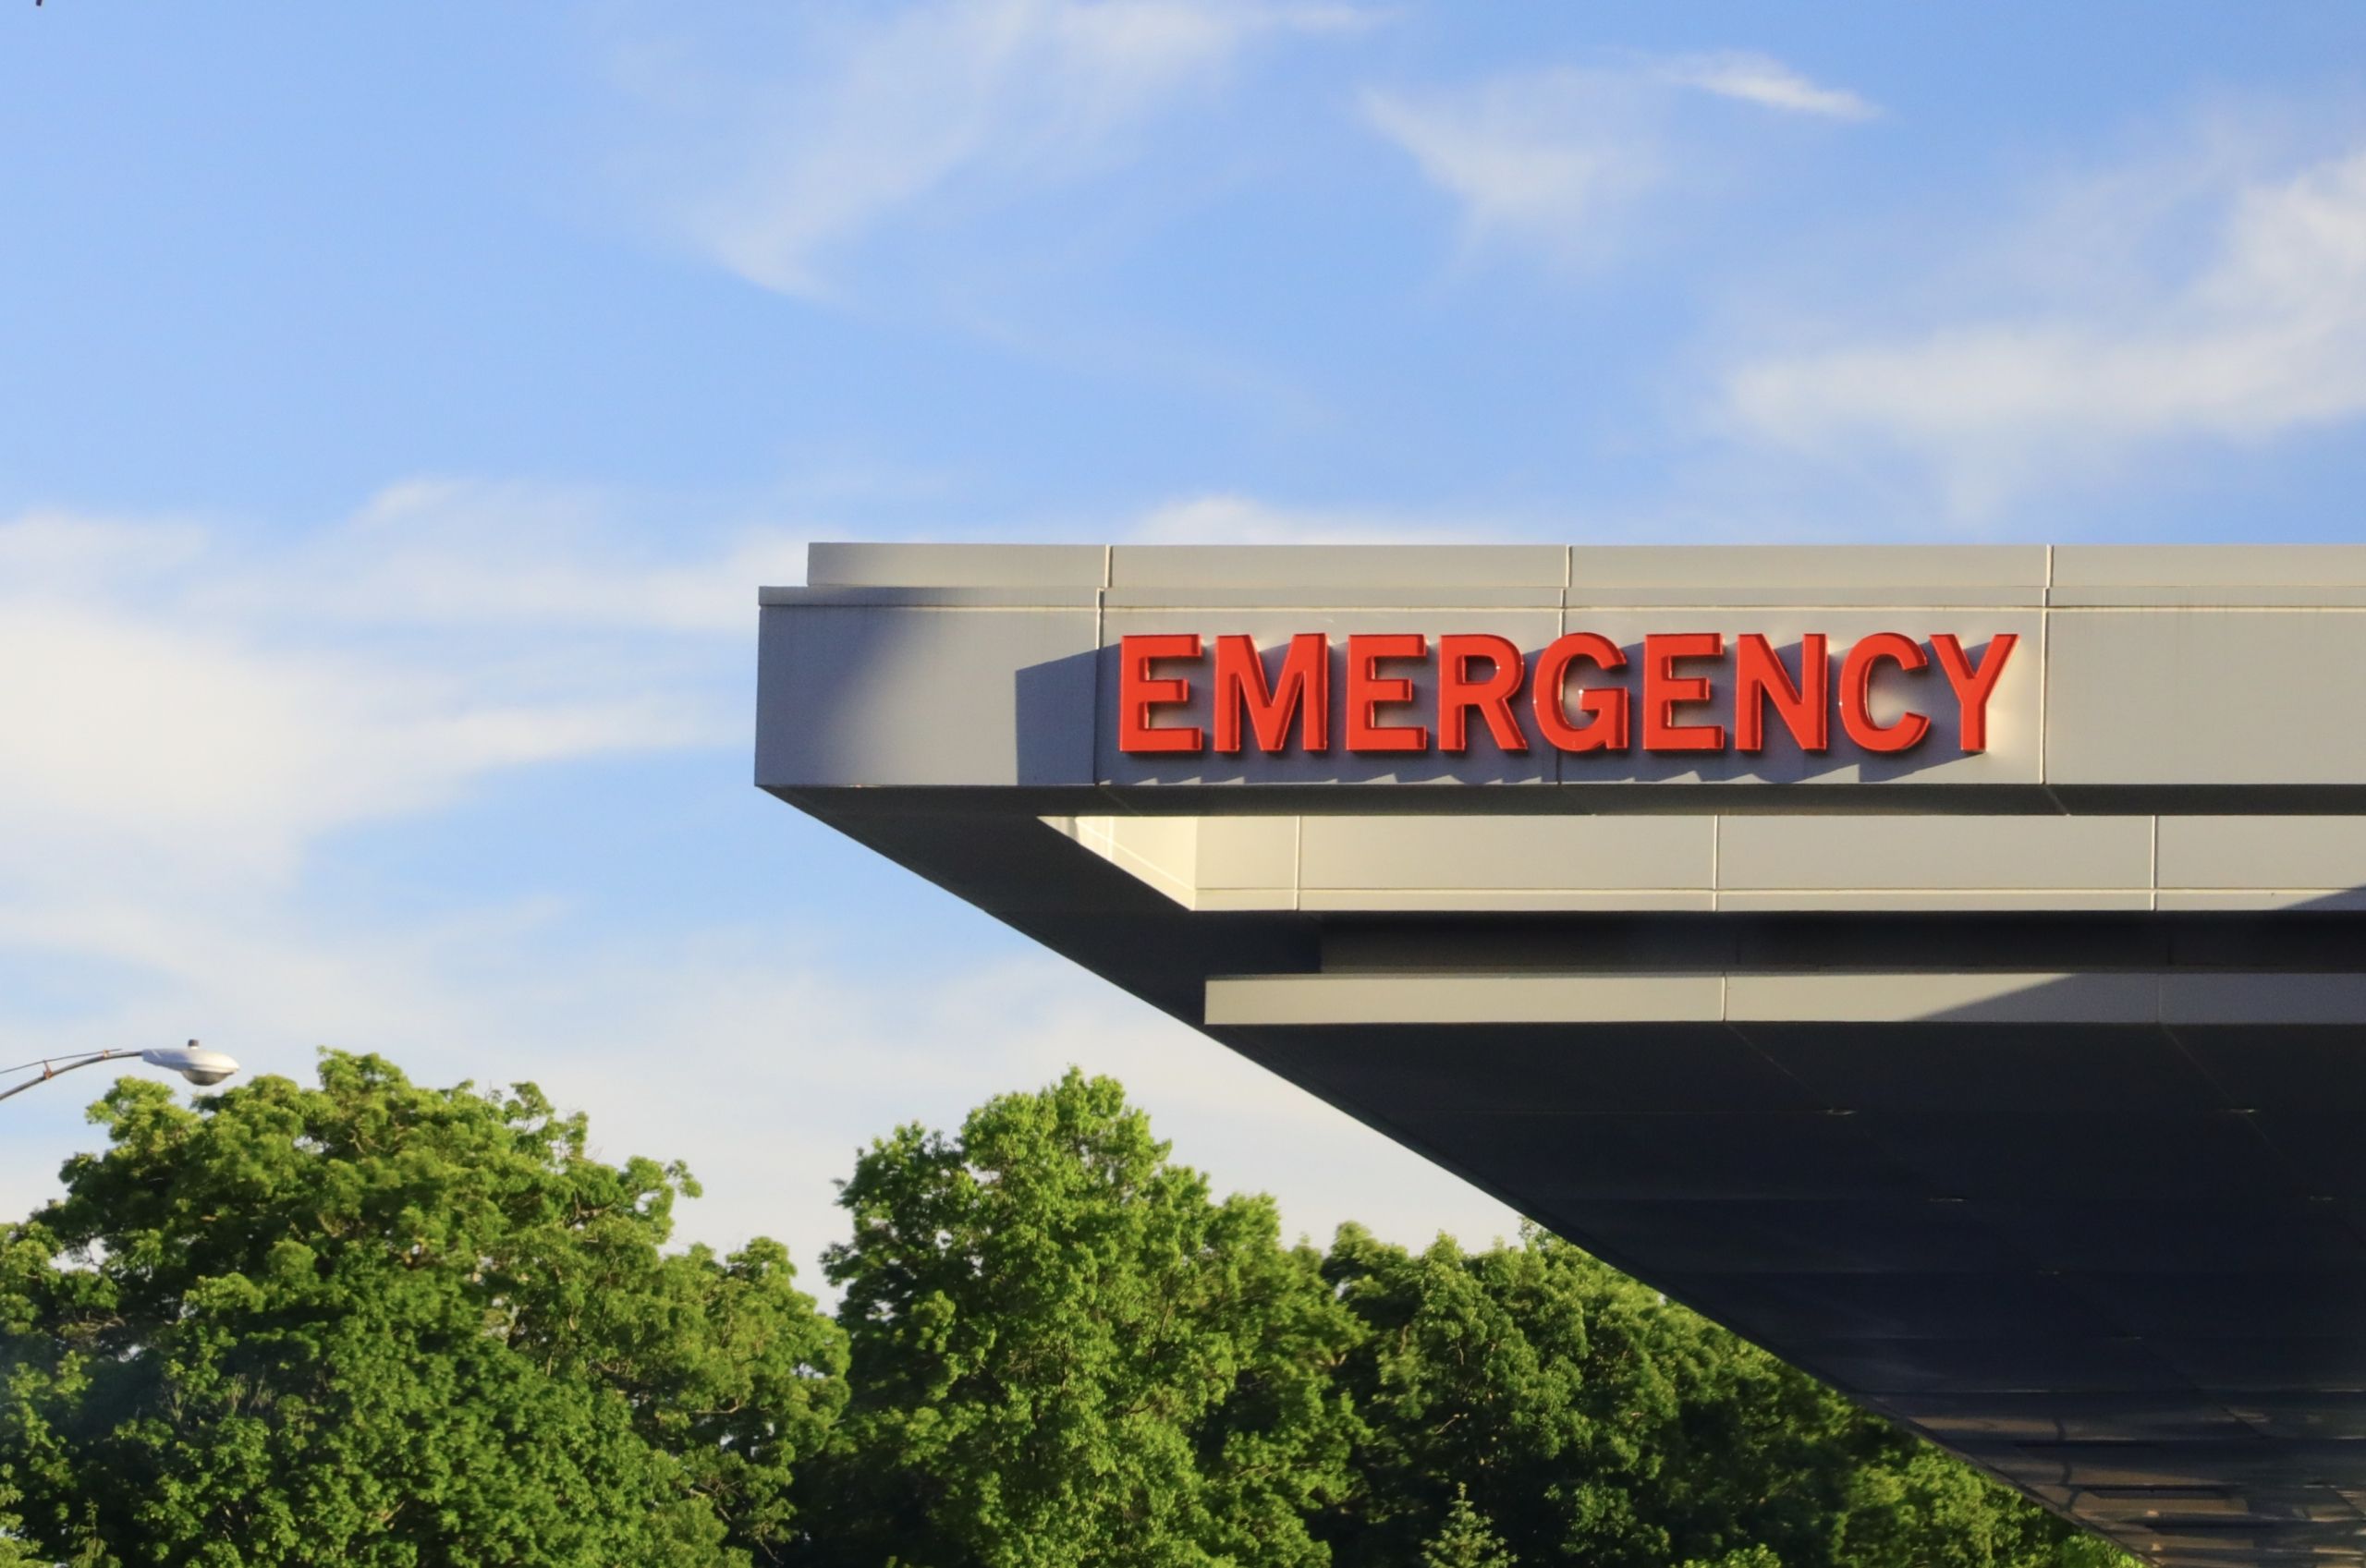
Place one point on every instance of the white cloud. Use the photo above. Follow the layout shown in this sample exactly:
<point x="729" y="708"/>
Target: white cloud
<point x="1548" y="155"/>
<point x="1555" y="156"/>
<point x="1755" y="79"/>
<point x="977" y="97"/>
<point x="192" y="743"/>
<point x="182" y="701"/>
<point x="2266" y="335"/>
<point x="446" y="553"/>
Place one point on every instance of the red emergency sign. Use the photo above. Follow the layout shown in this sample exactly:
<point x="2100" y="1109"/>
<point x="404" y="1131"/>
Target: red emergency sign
<point x="1689" y="694"/>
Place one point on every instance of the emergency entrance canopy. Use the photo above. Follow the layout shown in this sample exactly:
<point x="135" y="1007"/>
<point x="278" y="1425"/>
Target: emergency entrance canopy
<point x="1944" y="967"/>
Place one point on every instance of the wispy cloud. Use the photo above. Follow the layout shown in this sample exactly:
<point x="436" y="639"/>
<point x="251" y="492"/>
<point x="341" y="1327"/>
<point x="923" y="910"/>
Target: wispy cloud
<point x="186" y="699"/>
<point x="962" y="100"/>
<point x="1547" y="155"/>
<point x="1555" y="156"/>
<point x="1756" y="79"/>
<point x="2265" y="334"/>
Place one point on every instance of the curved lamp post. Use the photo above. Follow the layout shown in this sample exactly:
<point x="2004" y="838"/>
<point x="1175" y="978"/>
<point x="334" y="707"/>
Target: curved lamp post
<point x="192" y="1062"/>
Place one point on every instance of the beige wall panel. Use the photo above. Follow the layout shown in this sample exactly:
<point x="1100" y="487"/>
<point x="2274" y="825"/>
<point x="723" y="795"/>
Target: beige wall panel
<point x="1931" y="851"/>
<point x="1505" y="852"/>
<point x="2263" y="852"/>
<point x="1905" y="900"/>
<point x="1502" y="900"/>
<point x="1238" y="899"/>
<point x="2322" y="899"/>
<point x="1974" y="998"/>
<point x="2206" y="697"/>
<point x="1477" y="999"/>
<point x="1248" y="852"/>
<point x="1162" y="851"/>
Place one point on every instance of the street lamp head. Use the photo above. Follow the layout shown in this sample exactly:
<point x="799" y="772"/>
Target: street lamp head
<point x="192" y="1062"/>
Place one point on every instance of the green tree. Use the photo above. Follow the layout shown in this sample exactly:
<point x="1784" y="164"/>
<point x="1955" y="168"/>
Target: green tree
<point x="377" y="1324"/>
<point x="1741" y="1557"/>
<point x="1524" y="1377"/>
<point x="1908" y="1501"/>
<point x="1065" y="1352"/>
<point x="1464" y="1541"/>
<point x="1587" y="1419"/>
<point x="14" y="1553"/>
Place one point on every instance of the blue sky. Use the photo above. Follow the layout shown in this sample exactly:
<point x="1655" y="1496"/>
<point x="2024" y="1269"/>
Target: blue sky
<point x="400" y="408"/>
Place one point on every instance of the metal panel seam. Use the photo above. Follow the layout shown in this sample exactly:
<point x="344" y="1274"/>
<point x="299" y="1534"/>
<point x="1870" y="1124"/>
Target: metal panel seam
<point x="2045" y="661"/>
<point x="1100" y="634"/>
<point x="1569" y="578"/>
<point x="2154" y="871"/>
<point x="1716" y="872"/>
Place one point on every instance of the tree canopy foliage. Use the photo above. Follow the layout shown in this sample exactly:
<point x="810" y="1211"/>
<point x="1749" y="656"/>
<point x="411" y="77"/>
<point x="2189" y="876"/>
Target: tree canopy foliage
<point x="372" y="1324"/>
<point x="1069" y="1354"/>
<point x="379" y="1324"/>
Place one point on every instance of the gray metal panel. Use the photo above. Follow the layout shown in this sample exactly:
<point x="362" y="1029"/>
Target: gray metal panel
<point x="2206" y="697"/>
<point x="1480" y="901"/>
<point x="1248" y="852"/>
<point x="1992" y="997"/>
<point x="1593" y="853"/>
<point x="955" y="566"/>
<point x="1974" y="998"/>
<point x="1421" y="567"/>
<point x="2258" y="999"/>
<point x="2016" y="574"/>
<point x="1934" y="853"/>
<point x="1323" y="598"/>
<point x="2207" y="566"/>
<point x="2263" y="852"/>
<point x="1474" y="999"/>
<point x="1935" y="902"/>
<point x="1023" y="597"/>
<point x="850" y="695"/>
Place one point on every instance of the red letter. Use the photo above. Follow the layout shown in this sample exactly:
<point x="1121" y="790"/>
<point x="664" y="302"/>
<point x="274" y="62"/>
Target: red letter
<point x="1303" y="688"/>
<point x="1856" y="691"/>
<point x="1760" y="678"/>
<point x="1367" y="692"/>
<point x="1663" y="693"/>
<point x="1137" y="693"/>
<point x="1975" y="684"/>
<point x="1607" y="730"/>
<point x="1458" y="694"/>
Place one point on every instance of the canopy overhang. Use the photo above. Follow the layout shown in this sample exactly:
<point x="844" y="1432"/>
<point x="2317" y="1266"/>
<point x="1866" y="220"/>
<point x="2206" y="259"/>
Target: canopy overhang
<point x="2010" y="1087"/>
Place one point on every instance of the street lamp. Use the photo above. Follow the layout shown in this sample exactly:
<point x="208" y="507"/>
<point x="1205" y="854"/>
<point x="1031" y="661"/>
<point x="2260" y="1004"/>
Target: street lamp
<point x="192" y="1062"/>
